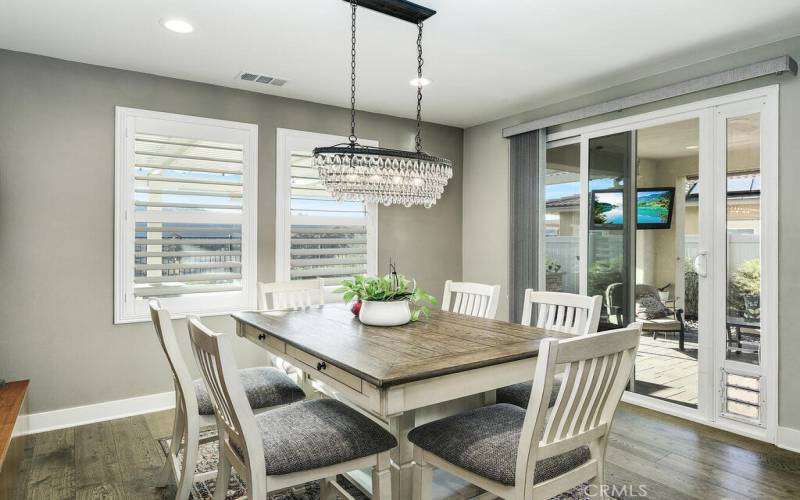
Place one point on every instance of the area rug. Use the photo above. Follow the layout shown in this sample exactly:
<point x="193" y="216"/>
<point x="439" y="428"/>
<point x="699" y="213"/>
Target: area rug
<point x="207" y="461"/>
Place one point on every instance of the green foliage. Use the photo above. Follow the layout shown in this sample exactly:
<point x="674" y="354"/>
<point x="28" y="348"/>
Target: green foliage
<point x="691" y="286"/>
<point x="744" y="288"/>
<point x="391" y="287"/>
<point x="599" y="210"/>
<point x="551" y="266"/>
<point x="603" y="273"/>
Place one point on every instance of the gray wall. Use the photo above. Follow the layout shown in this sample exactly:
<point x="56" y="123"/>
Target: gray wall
<point x="485" y="212"/>
<point x="56" y="219"/>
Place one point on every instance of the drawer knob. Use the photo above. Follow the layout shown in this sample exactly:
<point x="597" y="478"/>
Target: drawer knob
<point x="321" y="365"/>
<point x="262" y="336"/>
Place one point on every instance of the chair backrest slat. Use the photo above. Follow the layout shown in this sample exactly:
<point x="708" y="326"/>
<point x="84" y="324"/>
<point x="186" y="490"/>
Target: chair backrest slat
<point x="291" y="294"/>
<point x="169" y="344"/>
<point x="238" y="429"/>
<point x="597" y="371"/>
<point x="471" y="299"/>
<point x="562" y="312"/>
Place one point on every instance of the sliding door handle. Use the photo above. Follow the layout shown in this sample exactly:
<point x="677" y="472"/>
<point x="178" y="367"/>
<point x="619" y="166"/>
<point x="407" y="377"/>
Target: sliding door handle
<point x="701" y="263"/>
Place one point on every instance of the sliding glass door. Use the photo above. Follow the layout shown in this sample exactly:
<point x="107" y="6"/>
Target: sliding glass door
<point x="610" y="226"/>
<point x="559" y="270"/>
<point x="667" y="298"/>
<point x="671" y="234"/>
<point x="643" y="232"/>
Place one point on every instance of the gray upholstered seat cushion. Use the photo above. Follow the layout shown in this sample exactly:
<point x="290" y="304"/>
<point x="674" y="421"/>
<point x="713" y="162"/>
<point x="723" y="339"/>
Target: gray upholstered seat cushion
<point x="520" y="394"/>
<point x="264" y="387"/>
<point x="484" y="441"/>
<point x="317" y="433"/>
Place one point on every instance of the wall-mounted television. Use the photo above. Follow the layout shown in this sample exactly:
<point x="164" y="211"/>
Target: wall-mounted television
<point x="654" y="207"/>
<point x="608" y="210"/>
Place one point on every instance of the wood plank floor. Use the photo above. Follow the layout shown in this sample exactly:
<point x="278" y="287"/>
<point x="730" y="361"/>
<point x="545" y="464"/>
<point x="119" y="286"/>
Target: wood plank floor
<point x="649" y="454"/>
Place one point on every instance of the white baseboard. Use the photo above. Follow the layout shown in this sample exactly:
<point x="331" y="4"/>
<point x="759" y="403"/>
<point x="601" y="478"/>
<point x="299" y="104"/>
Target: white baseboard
<point x="109" y="410"/>
<point x="789" y="439"/>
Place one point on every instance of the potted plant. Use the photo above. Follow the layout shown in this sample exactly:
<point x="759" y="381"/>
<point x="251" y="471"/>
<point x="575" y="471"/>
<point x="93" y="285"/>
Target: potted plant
<point x="554" y="278"/>
<point x="389" y="300"/>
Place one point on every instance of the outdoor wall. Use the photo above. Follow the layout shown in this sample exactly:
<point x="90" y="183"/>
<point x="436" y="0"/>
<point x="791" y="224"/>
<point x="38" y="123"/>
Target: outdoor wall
<point x="486" y="191"/>
<point x="57" y="219"/>
<point x="665" y="172"/>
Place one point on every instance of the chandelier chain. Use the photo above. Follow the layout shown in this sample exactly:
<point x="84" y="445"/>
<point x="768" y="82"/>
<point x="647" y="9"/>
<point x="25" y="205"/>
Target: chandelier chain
<point x="418" y="139"/>
<point x="353" y="137"/>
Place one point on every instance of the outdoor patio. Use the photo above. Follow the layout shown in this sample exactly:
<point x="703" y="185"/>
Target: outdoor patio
<point x="665" y="372"/>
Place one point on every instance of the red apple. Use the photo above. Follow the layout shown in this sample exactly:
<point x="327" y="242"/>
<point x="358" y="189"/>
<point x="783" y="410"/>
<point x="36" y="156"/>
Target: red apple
<point x="356" y="307"/>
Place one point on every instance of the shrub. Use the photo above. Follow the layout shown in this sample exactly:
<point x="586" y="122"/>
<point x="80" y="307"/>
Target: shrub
<point x="744" y="289"/>
<point x="690" y="290"/>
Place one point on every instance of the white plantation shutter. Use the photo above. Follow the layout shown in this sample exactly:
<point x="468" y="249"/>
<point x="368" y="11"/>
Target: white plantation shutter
<point x="318" y="236"/>
<point x="185" y="214"/>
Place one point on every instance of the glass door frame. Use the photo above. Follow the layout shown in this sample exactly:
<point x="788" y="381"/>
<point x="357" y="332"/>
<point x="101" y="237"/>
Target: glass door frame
<point x="541" y="250"/>
<point x="711" y="346"/>
<point x="705" y="361"/>
<point x="767" y="369"/>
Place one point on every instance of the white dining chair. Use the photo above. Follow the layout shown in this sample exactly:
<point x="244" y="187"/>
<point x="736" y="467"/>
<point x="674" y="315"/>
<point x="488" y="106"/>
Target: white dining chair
<point x="539" y="453"/>
<point x="556" y="311"/>
<point x="306" y="441"/>
<point x="291" y="294"/>
<point x="562" y="312"/>
<point x="472" y="299"/>
<point x="265" y="388"/>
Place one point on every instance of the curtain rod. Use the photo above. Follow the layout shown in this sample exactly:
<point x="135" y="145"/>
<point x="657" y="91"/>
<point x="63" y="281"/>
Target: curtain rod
<point x="775" y="66"/>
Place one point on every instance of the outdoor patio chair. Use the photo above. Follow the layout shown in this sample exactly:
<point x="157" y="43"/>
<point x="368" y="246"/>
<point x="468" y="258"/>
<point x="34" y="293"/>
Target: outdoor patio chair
<point x="673" y="322"/>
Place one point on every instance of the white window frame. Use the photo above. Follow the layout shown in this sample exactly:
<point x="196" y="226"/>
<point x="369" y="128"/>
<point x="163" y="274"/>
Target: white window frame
<point x="127" y="309"/>
<point x="292" y="140"/>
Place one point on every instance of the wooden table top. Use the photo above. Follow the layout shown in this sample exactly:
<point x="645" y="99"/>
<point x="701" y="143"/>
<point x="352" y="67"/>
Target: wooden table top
<point x="442" y="344"/>
<point x="11" y="397"/>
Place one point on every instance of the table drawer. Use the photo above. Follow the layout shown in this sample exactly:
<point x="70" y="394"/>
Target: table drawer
<point x="319" y="366"/>
<point x="260" y="337"/>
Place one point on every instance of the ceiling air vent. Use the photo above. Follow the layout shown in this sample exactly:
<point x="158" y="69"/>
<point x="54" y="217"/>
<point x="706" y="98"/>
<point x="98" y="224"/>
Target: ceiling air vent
<point x="265" y="79"/>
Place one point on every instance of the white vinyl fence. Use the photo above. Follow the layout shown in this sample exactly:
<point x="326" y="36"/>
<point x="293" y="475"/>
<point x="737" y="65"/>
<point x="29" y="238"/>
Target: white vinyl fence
<point x="741" y="248"/>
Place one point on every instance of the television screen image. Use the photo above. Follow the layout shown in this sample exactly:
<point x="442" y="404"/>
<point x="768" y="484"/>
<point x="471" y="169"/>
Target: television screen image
<point x="607" y="209"/>
<point x="654" y="207"/>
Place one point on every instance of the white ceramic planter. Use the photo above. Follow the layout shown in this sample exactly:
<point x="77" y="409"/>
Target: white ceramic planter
<point x="393" y="313"/>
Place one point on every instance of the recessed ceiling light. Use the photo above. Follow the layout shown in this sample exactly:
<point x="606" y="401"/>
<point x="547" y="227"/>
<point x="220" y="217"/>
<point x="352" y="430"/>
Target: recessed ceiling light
<point x="177" y="25"/>
<point x="691" y="147"/>
<point x="419" y="82"/>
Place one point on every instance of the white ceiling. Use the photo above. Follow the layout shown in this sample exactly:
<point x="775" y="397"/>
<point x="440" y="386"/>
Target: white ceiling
<point x="669" y="140"/>
<point x="487" y="58"/>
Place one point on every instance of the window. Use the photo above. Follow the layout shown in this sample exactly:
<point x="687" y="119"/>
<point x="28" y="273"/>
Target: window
<point x="185" y="214"/>
<point x="317" y="235"/>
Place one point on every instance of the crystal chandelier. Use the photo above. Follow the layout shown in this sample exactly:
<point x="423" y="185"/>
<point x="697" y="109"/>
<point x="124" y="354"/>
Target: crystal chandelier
<point x="353" y="172"/>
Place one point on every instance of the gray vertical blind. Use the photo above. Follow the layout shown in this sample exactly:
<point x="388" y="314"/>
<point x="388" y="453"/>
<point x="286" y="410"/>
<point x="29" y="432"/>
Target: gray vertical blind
<point x="527" y="156"/>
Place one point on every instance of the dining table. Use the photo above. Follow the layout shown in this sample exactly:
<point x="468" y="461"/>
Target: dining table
<point x="392" y="373"/>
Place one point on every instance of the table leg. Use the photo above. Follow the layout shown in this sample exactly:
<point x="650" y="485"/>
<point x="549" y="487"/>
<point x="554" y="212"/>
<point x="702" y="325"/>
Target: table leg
<point x="402" y="456"/>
